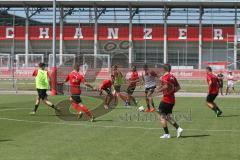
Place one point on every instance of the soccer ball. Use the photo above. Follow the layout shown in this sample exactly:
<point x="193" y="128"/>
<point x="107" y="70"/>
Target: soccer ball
<point x="141" y="109"/>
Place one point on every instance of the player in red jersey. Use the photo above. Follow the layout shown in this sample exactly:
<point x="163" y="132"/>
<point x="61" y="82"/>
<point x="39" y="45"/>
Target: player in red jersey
<point x="133" y="80"/>
<point x="213" y="89"/>
<point x="106" y="86"/>
<point x="75" y="80"/>
<point x="168" y="86"/>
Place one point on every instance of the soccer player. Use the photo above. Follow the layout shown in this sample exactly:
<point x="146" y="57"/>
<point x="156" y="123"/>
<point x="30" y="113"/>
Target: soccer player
<point x="75" y="80"/>
<point x="149" y="79"/>
<point x="168" y="86"/>
<point x="133" y="80"/>
<point x="118" y="80"/>
<point x="107" y="87"/>
<point x="230" y="82"/>
<point x="213" y="89"/>
<point x="220" y="78"/>
<point x="42" y="78"/>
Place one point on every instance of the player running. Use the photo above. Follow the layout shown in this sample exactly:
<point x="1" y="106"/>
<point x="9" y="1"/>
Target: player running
<point x="149" y="79"/>
<point x="230" y="82"/>
<point x="42" y="78"/>
<point x="168" y="86"/>
<point x="75" y="80"/>
<point x="118" y="80"/>
<point x="213" y="89"/>
<point x="220" y="78"/>
<point x="107" y="87"/>
<point x="133" y="80"/>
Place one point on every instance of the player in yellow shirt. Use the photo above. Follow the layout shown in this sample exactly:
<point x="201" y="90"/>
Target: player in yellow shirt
<point x="42" y="78"/>
<point x="118" y="80"/>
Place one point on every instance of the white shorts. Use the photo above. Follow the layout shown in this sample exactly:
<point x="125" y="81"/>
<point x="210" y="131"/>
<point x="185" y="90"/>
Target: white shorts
<point x="230" y="84"/>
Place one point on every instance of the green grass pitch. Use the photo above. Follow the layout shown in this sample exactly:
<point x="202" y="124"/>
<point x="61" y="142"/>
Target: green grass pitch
<point x="121" y="134"/>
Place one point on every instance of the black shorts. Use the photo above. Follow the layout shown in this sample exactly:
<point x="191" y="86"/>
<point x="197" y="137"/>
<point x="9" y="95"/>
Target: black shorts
<point x="211" y="97"/>
<point x="42" y="93"/>
<point x="130" y="89"/>
<point x="76" y="98"/>
<point x="117" y="88"/>
<point x="150" y="89"/>
<point x="221" y="85"/>
<point x="165" y="108"/>
<point x="108" y="91"/>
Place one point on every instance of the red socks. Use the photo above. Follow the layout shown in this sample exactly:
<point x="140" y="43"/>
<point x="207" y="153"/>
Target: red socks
<point x="80" y="108"/>
<point x="85" y="110"/>
<point x="76" y="106"/>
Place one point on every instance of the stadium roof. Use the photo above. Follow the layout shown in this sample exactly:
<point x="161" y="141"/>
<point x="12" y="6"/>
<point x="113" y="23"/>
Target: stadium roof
<point x="123" y="3"/>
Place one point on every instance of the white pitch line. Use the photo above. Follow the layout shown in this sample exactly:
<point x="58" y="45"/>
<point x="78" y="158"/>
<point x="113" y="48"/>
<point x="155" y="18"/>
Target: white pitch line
<point x="13" y="109"/>
<point x="108" y="126"/>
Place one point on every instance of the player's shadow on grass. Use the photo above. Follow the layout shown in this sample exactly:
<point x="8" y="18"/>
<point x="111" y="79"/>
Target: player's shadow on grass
<point x="66" y="115"/>
<point x="195" y="136"/>
<point x="104" y="120"/>
<point x="5" y="140"/>
<point x="123" y="108"/>
<point x="49" y="115"/>
<point x="234" y="115"/>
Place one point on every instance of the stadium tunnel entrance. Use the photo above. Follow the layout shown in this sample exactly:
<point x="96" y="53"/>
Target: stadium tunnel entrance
<point x="120" y="59"/>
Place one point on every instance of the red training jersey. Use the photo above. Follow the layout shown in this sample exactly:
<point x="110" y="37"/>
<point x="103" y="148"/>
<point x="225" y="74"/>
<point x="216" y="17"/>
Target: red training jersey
<point x="134" y="76"/>
<point x="169" y="94"/>
<point x="75" y="79"/>
<point x="106" y="84"/>
<point x="213" y="88"/>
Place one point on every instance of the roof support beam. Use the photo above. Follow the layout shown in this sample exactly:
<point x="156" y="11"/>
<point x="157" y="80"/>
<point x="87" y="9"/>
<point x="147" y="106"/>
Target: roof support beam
<point x="167" y="12"/>
<point x="201" y="12"/>
<point x="235" y="40"/>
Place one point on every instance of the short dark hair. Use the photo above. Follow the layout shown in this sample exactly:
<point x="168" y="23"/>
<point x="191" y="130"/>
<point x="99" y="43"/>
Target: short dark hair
<point x="115" y="66"/>
<point x="76" y="66"/>
<point x="145" y="66"/>
<point x="41" y="65"/>
<point x="209" y="68"/>
<point x="134" y="67"/>
<point x="167" y="67"/>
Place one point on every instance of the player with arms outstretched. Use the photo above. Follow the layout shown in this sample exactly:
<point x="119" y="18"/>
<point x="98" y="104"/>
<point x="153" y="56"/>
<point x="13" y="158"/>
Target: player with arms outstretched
<point x="42" y="78"/>
<point x="149" y="79"/>
<point x="168" y="86"/>
<point x="75" y="80"/>
<point x="213" y="89"/>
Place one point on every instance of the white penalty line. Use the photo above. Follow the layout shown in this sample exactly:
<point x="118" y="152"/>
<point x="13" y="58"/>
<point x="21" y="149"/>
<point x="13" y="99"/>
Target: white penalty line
<point x="109" y="126"/>
<point x="13" y="109"/>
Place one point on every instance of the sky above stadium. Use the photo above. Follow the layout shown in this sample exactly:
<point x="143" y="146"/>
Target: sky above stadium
<point x="143" y="15"/>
